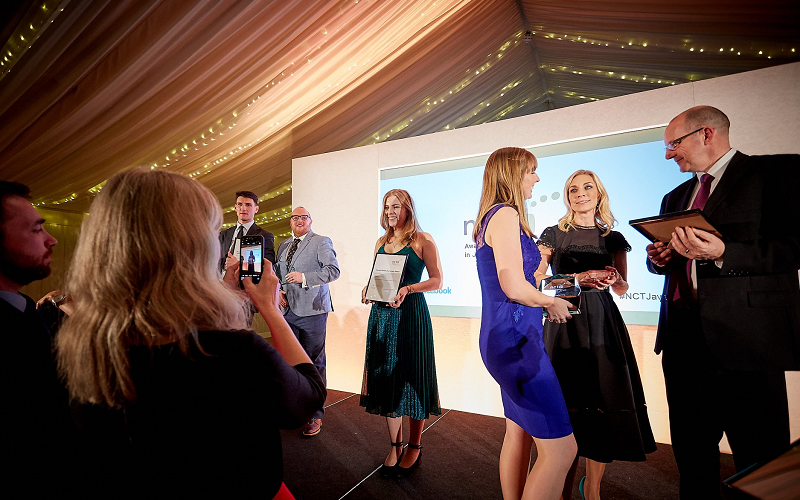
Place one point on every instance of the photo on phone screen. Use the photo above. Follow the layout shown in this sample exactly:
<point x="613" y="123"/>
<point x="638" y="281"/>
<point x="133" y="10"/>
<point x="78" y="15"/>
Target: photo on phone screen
<point x="251" y="256"/>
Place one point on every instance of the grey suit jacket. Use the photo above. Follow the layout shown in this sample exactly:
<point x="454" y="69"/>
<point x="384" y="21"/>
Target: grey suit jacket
<point x="316" y="259"/>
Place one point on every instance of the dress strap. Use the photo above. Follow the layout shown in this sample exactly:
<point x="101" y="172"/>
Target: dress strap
<point x="485" y="222"/>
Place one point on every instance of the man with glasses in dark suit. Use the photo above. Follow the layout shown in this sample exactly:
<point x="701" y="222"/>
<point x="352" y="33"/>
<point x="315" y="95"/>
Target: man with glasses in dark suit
<point x="729" y="325"/>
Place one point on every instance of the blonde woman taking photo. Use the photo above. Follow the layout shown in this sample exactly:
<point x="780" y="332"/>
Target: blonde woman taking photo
<point x="171" y="393"/>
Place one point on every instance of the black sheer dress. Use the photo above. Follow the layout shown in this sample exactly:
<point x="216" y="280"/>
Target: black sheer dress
<point x="593" y="357"/>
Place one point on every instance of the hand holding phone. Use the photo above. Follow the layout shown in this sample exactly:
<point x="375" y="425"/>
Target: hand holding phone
<point x="251" y="257"/>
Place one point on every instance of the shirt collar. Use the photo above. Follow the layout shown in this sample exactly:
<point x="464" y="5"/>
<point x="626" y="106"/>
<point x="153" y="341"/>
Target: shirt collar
<point x="718" y="168"/>
<point x="301" y="238"/>
<point x="15" y="299"/>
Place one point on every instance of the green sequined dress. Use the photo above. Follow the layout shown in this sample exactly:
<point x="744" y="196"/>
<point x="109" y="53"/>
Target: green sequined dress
<point x="399" y="368"/>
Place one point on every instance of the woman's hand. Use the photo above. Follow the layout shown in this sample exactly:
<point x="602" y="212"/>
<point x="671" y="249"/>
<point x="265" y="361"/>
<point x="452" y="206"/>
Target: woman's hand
<point x="264" y="295"/>
<point x="231" y="271"/>
<point x="401" y="296"/>
<point x="364" y="299"/>
<point x="558" y="311"/>
<point x="611" y="277"/>
<point x="593" y="279"/>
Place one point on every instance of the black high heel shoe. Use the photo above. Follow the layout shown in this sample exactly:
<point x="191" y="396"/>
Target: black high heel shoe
<point x="405" y="472"/>
<point x="390" y="470"/>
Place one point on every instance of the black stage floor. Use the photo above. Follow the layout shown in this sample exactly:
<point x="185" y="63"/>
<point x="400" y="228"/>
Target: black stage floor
<point x="459" y="460"/>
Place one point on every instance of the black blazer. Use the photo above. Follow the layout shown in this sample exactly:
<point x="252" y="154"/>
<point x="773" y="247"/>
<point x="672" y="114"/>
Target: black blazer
<point x="750" y="308"/>
<point x="226" y="237"/>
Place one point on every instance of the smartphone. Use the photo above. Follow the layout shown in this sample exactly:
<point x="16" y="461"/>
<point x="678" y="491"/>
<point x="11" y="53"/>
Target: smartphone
<point x="251" y="257"/>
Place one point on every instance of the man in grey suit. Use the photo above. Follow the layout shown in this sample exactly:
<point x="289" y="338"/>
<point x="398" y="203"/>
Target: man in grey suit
<point x="306" y="264"/>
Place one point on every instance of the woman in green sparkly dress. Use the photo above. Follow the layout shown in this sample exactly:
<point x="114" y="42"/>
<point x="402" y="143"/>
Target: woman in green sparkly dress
<point x="399" y="369"/>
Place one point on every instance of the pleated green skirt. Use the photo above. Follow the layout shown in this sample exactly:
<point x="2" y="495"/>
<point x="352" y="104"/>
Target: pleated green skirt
<point x="399" y="368"/>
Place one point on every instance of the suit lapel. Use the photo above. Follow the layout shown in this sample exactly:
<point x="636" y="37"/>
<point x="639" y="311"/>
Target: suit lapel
<point x="303" y="244"/>
<point x="735" y="170"/>
<point x="679" y="200"/>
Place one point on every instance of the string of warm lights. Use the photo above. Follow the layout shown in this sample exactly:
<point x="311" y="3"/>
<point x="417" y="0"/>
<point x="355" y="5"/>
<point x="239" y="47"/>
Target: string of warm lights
<point x="644" y="44"/>
<point x="283" y="99"/>
<point x="609" y="74"/>
<point x="265" y="110"/>
<point x="35" y="21"/>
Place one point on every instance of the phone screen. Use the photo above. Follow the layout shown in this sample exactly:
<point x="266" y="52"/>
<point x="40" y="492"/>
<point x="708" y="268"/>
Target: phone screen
<point x="251" y="259"/>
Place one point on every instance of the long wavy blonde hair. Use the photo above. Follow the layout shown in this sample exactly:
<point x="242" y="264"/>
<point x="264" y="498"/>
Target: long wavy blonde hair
<point x="603" y="218"/>
<point x="410" y="228"/>
<point x="502" y="184"/>
<point x="144" y="273"/>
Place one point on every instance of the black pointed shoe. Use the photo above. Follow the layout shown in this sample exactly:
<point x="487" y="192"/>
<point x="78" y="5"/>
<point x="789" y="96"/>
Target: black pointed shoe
<point x="405" y="472"/>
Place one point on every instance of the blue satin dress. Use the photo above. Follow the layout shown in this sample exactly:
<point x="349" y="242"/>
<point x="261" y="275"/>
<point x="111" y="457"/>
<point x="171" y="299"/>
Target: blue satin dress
<point x="513" y="350"/>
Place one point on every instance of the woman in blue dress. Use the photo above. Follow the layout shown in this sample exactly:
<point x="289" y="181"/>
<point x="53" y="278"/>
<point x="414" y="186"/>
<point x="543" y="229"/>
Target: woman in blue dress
<point x="511" y="332"/>
<point x="399" y="369"/>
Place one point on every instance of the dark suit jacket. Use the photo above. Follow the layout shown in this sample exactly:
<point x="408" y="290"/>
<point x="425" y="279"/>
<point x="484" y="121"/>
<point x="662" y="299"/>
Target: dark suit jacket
<point x="226" y="236"/>
<point x="750" y="308"/>
<point x="36" y="429"/>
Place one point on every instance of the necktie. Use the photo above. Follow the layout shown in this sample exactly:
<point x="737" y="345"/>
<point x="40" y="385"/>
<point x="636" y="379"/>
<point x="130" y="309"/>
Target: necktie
<point x="704" y="192"/>
<point x="292" y="250"/>
<point x="699" y="202"/>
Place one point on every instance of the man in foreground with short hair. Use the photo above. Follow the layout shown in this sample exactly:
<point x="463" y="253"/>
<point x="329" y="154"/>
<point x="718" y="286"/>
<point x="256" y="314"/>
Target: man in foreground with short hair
<point x="34" y="414"/>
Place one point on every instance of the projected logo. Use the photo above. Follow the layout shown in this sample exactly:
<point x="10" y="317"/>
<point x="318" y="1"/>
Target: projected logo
<point x="555" y="196"/>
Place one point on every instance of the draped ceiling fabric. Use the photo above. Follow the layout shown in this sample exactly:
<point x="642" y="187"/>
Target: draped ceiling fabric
<point x="229" y="92"/>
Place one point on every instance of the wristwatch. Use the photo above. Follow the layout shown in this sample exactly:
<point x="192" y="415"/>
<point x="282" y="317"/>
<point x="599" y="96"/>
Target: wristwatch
<point x="59" y="299"/>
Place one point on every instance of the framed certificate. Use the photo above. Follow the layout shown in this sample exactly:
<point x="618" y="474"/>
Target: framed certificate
<point x="387" y="274"/>
<point x="660" y="227"/>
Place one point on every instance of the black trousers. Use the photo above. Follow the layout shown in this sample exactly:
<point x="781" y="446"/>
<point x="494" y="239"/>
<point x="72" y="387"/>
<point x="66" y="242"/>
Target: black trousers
<point x="705" y="400"/>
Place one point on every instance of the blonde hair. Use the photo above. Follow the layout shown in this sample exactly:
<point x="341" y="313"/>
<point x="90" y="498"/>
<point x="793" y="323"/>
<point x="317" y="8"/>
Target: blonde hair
<point x="144" y="273"/>
<point x="502" y="184"/>
<point x="410" y="227"/>
<point x="603" y="218"/>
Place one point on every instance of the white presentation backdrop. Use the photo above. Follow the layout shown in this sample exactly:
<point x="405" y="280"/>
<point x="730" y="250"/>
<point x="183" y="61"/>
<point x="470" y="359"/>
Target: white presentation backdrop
<point x="446" y="194"/>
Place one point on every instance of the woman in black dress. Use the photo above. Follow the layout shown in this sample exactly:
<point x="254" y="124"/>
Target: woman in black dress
<point x="592" y="354"/>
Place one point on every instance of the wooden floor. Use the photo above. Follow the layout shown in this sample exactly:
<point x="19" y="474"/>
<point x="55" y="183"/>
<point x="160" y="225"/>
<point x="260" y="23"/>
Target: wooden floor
<point x="459" y="460"/>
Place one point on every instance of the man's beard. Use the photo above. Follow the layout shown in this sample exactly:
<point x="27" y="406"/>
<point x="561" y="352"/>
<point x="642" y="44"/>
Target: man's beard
<point x="21" y="273"/>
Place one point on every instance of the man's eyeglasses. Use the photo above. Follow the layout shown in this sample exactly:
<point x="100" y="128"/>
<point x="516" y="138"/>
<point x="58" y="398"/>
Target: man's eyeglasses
<point x="671" y="145"/>
<point x="296" y="218"/>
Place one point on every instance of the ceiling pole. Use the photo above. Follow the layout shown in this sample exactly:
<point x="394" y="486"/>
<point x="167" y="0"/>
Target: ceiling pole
<point x="535" y="53"/>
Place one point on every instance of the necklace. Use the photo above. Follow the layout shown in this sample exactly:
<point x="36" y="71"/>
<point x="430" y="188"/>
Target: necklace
<point x="578" y="226"/>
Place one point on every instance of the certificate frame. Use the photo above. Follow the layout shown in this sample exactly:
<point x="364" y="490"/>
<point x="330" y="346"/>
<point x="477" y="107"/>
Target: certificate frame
<point x="660" y="227"/>
<point x="386" y="277"/>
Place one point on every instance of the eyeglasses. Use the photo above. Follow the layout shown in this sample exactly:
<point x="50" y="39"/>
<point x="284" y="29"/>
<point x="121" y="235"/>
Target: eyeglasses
<point x="296" y="218"/>
<point x="671" y="145"/>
